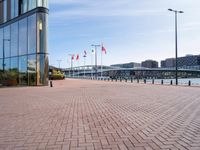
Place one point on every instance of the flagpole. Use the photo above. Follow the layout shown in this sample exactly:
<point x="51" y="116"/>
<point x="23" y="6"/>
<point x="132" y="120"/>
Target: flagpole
<point x="84" y="65"/>
<point x="101" y="59"/>
<point x="78" y="67"/>
<point x="92" y="64"/>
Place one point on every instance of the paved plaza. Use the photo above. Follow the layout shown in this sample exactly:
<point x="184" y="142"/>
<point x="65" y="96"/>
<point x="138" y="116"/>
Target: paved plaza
<point x="95" y="115"/>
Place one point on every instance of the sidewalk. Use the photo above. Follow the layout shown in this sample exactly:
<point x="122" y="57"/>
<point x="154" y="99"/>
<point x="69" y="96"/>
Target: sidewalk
<point x="88" y="115"/>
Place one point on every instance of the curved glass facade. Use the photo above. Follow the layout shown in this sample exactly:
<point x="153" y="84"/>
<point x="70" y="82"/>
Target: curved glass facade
<point x="23" y="42"/>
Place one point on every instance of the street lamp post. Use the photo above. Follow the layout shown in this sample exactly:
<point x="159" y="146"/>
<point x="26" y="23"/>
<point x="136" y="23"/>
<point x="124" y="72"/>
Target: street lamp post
<point x="71" y="55"/>
<point x="96" y="67"/>
<point x="4" y="54"/>
<point x="176" y="41"/>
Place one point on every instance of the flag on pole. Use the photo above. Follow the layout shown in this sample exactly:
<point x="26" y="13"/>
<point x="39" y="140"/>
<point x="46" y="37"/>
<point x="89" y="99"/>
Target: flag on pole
<point x="103" y="49"/>
<point x="77" y="57"/>
<point x="72" y="57"/>
<point x="85" y="54"/>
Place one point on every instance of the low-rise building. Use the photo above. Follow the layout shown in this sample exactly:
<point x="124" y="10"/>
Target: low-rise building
<point x="127" y="65"/>
<point x="150" y="64"/>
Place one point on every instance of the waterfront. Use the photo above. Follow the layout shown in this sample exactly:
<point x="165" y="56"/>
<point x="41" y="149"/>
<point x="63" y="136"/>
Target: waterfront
<point x="194" y="81"/>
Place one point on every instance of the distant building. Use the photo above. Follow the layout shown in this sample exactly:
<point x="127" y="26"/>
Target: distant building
<point x="150" y="64"/>
<point x="168" y="63"/>
<point x="127" y="65"/>
<point x="186" y="62"/>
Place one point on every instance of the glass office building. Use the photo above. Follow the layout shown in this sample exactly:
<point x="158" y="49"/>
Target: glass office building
<point x="23" y="40"/>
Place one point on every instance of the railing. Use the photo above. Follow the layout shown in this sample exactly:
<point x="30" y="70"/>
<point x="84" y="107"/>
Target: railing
<point x="144" y="81"/>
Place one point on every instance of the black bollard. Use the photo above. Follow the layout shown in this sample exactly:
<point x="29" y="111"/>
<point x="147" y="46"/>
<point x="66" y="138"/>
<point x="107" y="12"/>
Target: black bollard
<point x="171" y="82"/>
<point x="145" y="81"/>
<point x="116" y="79"/>
<point x="153" y="81"/>
<point x="189" y="83"/>
<point x="125" y="80"/>
<point x="131" y="80"/>
<point x="161" y="81"/>
<point x="51" y="84"/>
<point x="138" y="80"/>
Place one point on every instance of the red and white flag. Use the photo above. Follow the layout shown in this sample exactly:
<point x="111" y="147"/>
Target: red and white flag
<point x="103" y="50"/>
<point x="77" y="57"/>
<point x="72" y="57"/>
<point x="85" y="54"/>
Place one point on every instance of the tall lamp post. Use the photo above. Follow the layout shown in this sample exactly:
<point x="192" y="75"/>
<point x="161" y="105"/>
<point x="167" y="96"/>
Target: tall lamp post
<point x="96" y="67"/>
<point x="4" y="54"/>
<point x="71" y="55"/>
<point x="176" y="41"/>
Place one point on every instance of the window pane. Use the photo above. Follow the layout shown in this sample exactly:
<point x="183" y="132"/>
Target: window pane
<point x="7" y="64"/>
<point x="1" y="43"/>
<point x="12" y="9"/>
<point x="32" y="69"/>
<point x="42" y="32"/>
<point x="16" y="8"/>
<point x="42" y="69"/>
<point x="1" y="65"/>
<point x="5" y="10"/>
<point x="23" y="70"/>
<point x="7" y="41"/>
<point x="39" y="3"/>
<point x="14" y="64"/>
<point x="23" y="37"/>
<point x="32" y="34"/>
<point x="14" y="39"/>
<point x="25" y="6"/>
<point x="32" y="4"/>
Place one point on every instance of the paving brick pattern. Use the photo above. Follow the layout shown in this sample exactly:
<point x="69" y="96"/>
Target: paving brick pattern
<point x="95" y="115"/>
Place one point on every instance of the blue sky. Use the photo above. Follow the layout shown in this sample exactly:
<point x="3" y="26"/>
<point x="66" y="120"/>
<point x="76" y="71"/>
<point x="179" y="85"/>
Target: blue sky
<point x="131" y="30"/>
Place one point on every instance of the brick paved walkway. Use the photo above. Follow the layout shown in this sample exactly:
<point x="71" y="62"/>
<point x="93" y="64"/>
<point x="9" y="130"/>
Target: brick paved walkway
<point x="87" y="115"/>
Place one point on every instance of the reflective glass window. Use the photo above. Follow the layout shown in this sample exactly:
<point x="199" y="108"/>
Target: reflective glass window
<point x="1" y="65"/>
<point x="1" y="43"/>
<point x="14" y="39"/>
<point x="43" y="3"/>
<point x="23" y="79"/>
<point x="42" y="32"/>
<point x="23" y="37"/>
<point x="12" y="8"/>
<point x="16" y="8"/>
<point x="6" y="41"/>
<point x="7" y="64"/>
<point x="5" y="10"/>
<point x="42" y="69"/>
<point x="25" y="5"/>
<point x="39" y="3"/>
<point x="32" y="69"/>
<point x="32" y="34"/>
<point x="14" y="64"/>
<point x="31" y="4"/>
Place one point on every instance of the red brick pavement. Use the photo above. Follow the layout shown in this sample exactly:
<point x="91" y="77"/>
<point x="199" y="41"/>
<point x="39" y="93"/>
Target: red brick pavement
<point x="94" y="115"/>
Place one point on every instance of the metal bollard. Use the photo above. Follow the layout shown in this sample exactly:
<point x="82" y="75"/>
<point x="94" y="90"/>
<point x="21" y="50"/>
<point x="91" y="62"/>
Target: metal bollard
<point x="171" y="82"/>
<point x="120" y="79"/>
<point x="161" y="81"/>
<point x="153" y="81"/>
<point x="189" y="83"/>
<point x="116" y="79"/>
<point x="131" y="80"/>
<point x="138" y="80"/>
<point x="51" y="84"/>
<point x="145" y="81"/>
<point x="125" y="80"/>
